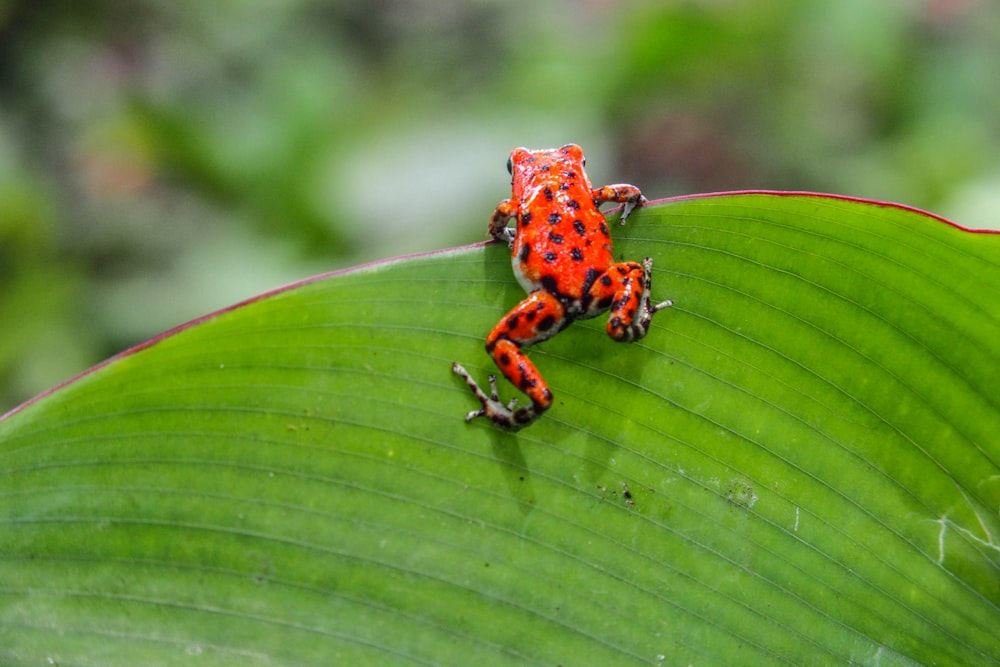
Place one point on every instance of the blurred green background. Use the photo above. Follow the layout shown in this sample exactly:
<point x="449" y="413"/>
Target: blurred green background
<point x="160" y="159"/>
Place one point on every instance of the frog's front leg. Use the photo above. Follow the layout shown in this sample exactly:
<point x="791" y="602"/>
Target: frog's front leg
<point x="538" y="317"/>
<point x="623" y="193"/>
<point x="624" y="290"/>
<point x="498" y="228"/>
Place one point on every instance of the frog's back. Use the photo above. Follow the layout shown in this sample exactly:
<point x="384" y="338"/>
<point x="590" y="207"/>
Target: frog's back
<point x="562" y="239"/>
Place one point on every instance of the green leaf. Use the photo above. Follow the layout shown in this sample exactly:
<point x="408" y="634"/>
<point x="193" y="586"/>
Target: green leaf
<point x="799" y="464"/>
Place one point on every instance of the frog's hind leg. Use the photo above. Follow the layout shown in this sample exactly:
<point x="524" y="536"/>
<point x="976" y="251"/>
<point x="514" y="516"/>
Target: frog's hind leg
<point x="540" y="316"/>
<point x="624" y="290"/>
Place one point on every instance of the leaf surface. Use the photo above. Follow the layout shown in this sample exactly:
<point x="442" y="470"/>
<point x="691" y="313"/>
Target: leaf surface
<point x="798" y="464"/>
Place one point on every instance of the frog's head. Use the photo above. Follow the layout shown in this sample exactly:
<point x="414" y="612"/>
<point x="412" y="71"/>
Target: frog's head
<point x="528" y="167"/>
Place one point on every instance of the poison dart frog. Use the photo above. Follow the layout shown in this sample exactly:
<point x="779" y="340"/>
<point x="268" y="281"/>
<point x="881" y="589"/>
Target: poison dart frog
<point x="561" y="254"/>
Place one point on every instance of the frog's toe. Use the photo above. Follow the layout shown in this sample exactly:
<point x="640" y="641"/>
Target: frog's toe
<point x="472" y="414"/>
<point x="507" y="417"/>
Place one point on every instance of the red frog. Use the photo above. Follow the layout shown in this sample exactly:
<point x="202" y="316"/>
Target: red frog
<point x="561" y="254"/>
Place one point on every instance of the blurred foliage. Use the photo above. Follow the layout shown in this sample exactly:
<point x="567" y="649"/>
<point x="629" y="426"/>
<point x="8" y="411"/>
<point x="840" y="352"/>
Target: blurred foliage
<point x="161" y="159"/>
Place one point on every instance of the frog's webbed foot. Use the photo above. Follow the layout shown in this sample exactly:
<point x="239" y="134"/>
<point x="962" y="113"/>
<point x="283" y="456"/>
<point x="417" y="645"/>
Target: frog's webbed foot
<point x="508" y="417"/>
<point x="507" y="235"/>
<point x="499" y="227"/>
<point x="630" y="206"/>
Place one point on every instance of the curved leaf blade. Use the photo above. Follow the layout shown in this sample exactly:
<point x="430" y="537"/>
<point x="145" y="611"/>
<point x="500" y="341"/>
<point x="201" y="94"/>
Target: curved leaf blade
<point x="797" y="464"/>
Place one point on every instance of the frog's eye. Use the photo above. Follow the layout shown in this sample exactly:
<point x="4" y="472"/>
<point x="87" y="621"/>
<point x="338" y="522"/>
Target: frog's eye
<point x="510" y="166"/>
